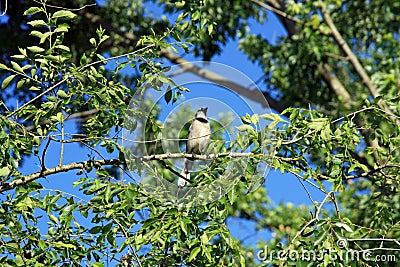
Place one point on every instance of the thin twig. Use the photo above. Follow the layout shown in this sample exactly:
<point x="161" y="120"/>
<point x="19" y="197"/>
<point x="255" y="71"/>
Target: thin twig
<point x="166" y="166"/>
<point x="64" y="8"/>
<point x="4" y="104"/>
<point x="62" y="143"/>
<point x="76" y="115"/>
<point x="319" y="208"/>
<point x="332" y="55"/>
<point x="397" y="242"/>
<point x="44" y="154"/>
<point x="39" y="95"/>
<point x="298" y="176"/>
<point x="305" y="188"/>
<point x="277" y="11"/>
<point x="336" y="205"/>
<point x="127" y="237"/>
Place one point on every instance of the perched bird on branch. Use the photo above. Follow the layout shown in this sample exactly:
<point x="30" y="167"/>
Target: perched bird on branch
<point x="197" y="143"/>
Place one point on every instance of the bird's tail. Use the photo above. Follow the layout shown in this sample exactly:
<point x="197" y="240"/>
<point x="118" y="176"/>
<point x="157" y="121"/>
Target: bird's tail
<point x="185" y="172"/>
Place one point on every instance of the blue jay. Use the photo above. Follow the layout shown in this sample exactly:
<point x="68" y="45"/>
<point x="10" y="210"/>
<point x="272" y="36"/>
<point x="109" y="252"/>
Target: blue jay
<point x="197" y="142"/>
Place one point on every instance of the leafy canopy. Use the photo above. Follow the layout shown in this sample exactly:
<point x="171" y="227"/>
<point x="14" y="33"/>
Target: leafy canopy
<point x="333" y="79"/>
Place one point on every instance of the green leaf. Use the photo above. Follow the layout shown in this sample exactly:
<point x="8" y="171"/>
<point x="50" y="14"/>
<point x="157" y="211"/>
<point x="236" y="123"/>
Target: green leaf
<point x="195" y="251"/>
<point x="37" y="23"/>
<point x="7" y="81"/>
<point x="20" y="57"/>
<point x="168" y="95"/>
<point x="242" y="261"/>
<point x="4" y="67"/>
<point x="22" y="51"/>
<point x="33" y="10"/>
<point x="196" y="15"/>
<point x="210" y="29"/>
<point x="83" y="60"/>
<point x="44" y="37"/>
<point x="4" y="171"/>
<point x="61" y="29"/>
<point x="256" y="146"/>
<point x="245" y="119"/>
<point x="111" y="239"/>
<point x="37" y="34"/>
<point x="66" y="214"/>
<point x="53" y="218"/>
<point x="35" y="49"/>
<point x="318" y="124"/>
<point x="255" y="119"/>
<point x="320" y="237"/>
<point x="12" y="246"/>
<point x="344" y="226"/>
<point x="19" y="261"/>
<point x="103" y="38"/>
<point x="243" y="128"/>
<point x="307" y="231"/>
<point x="183" y="226"/>
<point x="20" y="83"/>
<point x="272" y="117"/>
<point x="17" y="67"/>
<point x="204" y="239"/>
<point x="64" y="14"/>
<point x="208" y="254"/>
<point x="62" y="94"/>
<point x="180" y="4"/>
<point x="34" y="88"/>
<point x="232" y="195"/>
<point x="93" y="42"/>
<point x="60" y="117"/>
<point x="64" y="245"/>
<point x="96" y="230"/>
<point x="176" y="96"/>
<point x="181" y="17"/>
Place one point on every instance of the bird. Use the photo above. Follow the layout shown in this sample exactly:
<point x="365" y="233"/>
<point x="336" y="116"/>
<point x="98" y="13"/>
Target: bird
<point x="197" y="142"/>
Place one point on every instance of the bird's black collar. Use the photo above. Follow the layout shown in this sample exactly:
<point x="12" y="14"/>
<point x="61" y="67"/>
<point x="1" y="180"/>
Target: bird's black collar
<point x="202" y="120"/>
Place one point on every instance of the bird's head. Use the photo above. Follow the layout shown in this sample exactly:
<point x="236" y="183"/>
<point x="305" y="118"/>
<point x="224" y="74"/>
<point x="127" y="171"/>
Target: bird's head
<point x="201" y="113"/>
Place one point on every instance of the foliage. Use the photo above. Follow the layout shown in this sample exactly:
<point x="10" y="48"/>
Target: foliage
<point x="338" y="131"/>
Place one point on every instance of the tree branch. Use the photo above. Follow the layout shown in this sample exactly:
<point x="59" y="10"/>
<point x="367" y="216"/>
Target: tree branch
<point x="289" y="22"/>
<point x="43" y="173"/>
<point x="190" y="67"/>
<point x="333" y="82"/>
<point x="114" y="162"/>
<point x="197" y="156"/>
<point x="187" y="66"/>
<point x="277" y="10"/>
<point x="349" y="53"/>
